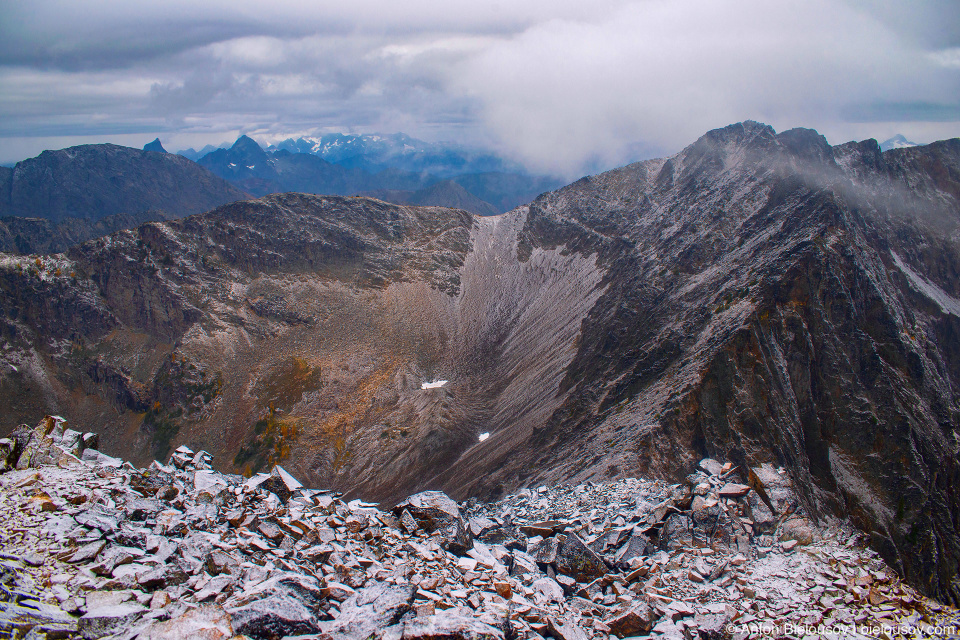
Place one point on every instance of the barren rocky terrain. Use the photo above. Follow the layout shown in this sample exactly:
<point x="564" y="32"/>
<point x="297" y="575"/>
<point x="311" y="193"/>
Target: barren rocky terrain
<point x="761" y="298"/>
<point x="96" y="548"/>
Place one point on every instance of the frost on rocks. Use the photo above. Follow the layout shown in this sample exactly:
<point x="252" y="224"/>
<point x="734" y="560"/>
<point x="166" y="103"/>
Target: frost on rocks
<point x="182" y="551"/>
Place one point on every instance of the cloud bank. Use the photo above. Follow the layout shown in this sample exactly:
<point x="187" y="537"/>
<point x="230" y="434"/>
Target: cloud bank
<point x="562" y="86"/>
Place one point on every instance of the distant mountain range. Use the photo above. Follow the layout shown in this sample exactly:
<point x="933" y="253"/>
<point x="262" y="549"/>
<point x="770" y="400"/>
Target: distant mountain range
<point x="61" y="198"/>
<point x="374" y="153"/>
<point x="394" y="168"/>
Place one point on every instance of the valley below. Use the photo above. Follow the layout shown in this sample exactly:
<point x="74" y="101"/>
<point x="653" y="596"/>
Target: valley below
<point x="759" y="298"/>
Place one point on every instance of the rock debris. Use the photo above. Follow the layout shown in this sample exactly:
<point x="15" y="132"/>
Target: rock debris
<point x="93" y="547"/>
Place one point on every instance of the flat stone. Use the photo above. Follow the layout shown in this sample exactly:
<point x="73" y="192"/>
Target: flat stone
<point x="88" y="552"/>
<point x="206" y="622"/>
<point x="449" y="625"/>
<point x="547" y="590"/>
<point x="733" y="490"/>
<point x="711" y="466"/>
<point x="565" y="629"/>
<point x="105" y="621"/>
<point x="275" y="616"/>
<point x="370" y="609"/>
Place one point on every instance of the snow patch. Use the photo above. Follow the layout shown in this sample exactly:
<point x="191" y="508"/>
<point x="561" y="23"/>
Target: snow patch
<point x="484" y="436"/>
<point x="434" y="385"/>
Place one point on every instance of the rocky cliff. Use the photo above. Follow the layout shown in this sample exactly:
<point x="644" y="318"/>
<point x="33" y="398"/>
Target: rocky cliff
<point x="27" y="236"/>
<point x="759" y="297"/>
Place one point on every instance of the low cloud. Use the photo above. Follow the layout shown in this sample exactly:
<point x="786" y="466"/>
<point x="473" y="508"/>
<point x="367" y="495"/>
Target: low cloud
<point x="665" y="72"/>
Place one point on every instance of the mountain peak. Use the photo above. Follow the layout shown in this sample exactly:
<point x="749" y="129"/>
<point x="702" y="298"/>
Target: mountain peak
<point x="897" y="142"/>
<point x="246" y="143"/>
<point x="154" y="146"/>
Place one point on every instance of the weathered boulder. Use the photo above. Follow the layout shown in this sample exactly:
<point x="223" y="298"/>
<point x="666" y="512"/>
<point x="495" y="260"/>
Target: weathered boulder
<point x="578" y="561"/>
<point x="435" y="512"/>
<point x="635" y="620"/>
<point x="104" y="621"/>
<point x="510" y="537"/>
<point x="281" y="483"/>
<point x="288" y="604"/>
<point x="8" y="454"/>
<point x="449" y="626"/>
<point x="206" y="622"/>
<point x="42" y="440"/>
<point x="369" y="610"/>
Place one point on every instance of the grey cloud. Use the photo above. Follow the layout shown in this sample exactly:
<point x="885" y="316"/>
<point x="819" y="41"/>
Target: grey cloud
<point x="902" y="112"/>
<point x="663" y="73"/>
<point x="560" y="84"/>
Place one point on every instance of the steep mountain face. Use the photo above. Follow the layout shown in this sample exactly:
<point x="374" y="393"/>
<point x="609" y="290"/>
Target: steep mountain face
<point x="25" y="236"/>
<point x="759" y="297"/>
<point x="95" y="181"/>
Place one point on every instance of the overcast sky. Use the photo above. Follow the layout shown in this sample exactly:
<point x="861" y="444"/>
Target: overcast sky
<point x="556" y="84"/>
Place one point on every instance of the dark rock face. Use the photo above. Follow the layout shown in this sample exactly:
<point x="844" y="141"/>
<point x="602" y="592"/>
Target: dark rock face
<point x="90" y="182"/>
<point x="36" y="235"/>
<point x="759" y="297"/>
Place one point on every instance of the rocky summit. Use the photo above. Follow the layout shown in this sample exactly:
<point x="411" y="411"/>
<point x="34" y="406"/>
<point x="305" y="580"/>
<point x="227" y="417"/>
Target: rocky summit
<point x="761" y="298"/>
<point x="95" y="548"/>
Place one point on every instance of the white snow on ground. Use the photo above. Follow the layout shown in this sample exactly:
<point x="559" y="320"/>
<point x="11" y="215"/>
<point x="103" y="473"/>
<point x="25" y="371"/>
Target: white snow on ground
<point x="484" y="436"/>
<point x="947" y="303"/>
<point x="433" y="385"/>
